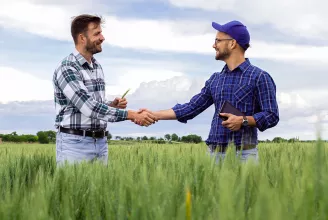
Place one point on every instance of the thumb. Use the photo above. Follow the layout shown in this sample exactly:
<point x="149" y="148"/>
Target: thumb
<point x="142" y="109"/>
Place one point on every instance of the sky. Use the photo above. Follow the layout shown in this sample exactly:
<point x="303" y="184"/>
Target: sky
<point x="162" y="50"/>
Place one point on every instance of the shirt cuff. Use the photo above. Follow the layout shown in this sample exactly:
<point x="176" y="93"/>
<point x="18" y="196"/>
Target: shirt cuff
<point x="260" y="121"/>
<point x="179" y="113"/>
<point x="122" y="115"/>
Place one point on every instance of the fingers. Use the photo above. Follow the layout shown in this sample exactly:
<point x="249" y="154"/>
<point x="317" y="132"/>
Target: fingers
<point x="122" y="103"/>
<point x="115" y="102"/>
<point x="225" y="114"/>
<point x="145" y="118"/>
<point x="143" y="109"/>
<point x="148" y="120"/>
<point x="153" y="117"/>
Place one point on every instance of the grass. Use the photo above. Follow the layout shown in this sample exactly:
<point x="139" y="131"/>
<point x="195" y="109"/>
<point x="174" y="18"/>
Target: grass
<point x="148" y="181"/>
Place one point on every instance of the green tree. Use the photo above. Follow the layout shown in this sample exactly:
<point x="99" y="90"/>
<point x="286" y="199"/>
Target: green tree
<point x="192" y="138"/>
<point x="174" y="137"/>
<point x="278" y="140"/>
<point x="51" y="135"/>
<point x="109" y="137"/>
<point x="168" y="137"/>
<point x="43" y="137"/>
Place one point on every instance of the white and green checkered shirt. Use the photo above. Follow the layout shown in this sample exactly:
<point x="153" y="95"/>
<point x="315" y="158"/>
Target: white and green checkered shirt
<point x="79" y="93"/>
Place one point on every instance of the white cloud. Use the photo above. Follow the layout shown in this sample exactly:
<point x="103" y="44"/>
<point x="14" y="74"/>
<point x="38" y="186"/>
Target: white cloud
<point x="306" y="99"/>
<point x="131" y="78"/>
<point x="156" y="35"/>
<point x="298" y="110"/>
<point x="292" y="100"/>
<point x="302" y="18"/>
<point x="44" y="20"/>
<point x="17" y="85"/>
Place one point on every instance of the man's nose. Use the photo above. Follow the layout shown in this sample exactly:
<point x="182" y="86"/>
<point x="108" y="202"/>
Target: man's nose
<point x="102" y="38"/>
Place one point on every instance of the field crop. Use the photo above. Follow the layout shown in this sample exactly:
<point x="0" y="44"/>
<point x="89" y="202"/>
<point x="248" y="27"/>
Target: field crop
<point x="170" y="181"/>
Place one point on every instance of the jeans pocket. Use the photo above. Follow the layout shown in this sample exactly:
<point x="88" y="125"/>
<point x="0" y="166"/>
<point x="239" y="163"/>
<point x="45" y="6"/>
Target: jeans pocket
<point x="71" y="138"/>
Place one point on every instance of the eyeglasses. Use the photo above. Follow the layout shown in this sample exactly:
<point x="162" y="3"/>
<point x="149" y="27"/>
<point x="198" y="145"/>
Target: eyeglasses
<point x="219" y="40"/>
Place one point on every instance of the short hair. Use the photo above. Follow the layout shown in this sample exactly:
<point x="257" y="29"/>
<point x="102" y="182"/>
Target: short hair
<point x="80" y="24"/>
<point x="245" y="47"/>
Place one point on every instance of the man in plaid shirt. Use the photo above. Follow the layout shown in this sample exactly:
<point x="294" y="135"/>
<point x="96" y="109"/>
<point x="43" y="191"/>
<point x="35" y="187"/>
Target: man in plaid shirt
<point x="248" y="88"/>
<point x="82" y="112"/>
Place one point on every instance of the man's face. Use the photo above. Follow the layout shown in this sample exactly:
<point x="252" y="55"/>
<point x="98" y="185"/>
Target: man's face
<point x="94" y="38"/>
<point x="221" y="46"/>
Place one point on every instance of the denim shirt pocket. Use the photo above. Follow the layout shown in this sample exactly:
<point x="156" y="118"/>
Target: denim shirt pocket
<point x="243" y="95"/>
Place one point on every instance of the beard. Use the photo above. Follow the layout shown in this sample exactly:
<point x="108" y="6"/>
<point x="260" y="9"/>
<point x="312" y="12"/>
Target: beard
<point x="93" y="47"/>
<point x="222" y="54"/>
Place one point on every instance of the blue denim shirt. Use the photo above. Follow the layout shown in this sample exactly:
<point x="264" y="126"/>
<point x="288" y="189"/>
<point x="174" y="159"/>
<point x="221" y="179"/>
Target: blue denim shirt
<point x="249" y="89"/>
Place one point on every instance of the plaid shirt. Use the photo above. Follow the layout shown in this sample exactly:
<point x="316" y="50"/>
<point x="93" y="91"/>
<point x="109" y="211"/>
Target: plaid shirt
<point x="79" y="93"/>
<point x="249" y="89"/>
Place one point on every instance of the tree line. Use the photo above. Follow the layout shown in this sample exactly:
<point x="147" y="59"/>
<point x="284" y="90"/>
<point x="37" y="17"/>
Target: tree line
<point x="46" y="137"/>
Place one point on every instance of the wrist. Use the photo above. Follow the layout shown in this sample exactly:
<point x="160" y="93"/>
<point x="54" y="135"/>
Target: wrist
<point x="131" y="115"/>
<point x="244" y="121"/>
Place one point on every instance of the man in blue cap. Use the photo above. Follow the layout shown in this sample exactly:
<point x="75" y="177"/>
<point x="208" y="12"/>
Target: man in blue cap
<point x="248" y="88"/>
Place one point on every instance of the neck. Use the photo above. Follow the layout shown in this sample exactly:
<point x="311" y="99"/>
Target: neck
<point x="87" y="55"/>
<point x="234" y="61"/>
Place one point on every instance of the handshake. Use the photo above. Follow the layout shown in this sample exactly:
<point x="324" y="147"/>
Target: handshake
<point x="142" y="117"/>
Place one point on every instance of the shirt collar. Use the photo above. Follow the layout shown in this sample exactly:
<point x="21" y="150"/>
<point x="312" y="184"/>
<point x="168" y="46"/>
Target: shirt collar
<point x="82" y="60"/>
<point x="242" y="67"/>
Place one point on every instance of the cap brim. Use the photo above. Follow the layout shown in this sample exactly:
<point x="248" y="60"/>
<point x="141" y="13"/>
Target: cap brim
<point x="217" y="26"/>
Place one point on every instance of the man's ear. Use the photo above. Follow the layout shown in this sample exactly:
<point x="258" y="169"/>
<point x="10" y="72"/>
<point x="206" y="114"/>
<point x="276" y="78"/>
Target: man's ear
<point x="82" y="37"/>
<point x="233" y="44"/>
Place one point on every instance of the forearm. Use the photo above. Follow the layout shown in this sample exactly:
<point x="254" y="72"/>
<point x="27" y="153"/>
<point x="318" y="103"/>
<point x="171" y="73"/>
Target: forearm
<point x="93" y="109"/>
<point x="168" y="114"/>
<point x="251" y="121"/>
<point x="72" y="86"/>
<point x="265" y="120"/>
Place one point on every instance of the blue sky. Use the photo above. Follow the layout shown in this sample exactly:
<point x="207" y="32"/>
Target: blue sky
<point x="164" y="47"/>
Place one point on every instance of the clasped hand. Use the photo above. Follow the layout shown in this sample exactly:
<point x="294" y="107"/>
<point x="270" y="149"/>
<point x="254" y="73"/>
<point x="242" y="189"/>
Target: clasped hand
<point x="146" y="118"/>
<point x="233" y="122"/>
<point x="143" y="117"/>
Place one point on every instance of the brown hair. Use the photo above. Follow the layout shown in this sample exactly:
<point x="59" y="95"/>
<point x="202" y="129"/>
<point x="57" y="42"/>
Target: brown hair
<point x="80" y="24"/>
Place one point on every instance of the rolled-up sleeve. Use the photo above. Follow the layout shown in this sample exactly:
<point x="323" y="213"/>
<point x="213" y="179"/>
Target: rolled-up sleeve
<point x="268" y="116"/>
<point x="71" y="84"/>
<point x="197" y="104"/>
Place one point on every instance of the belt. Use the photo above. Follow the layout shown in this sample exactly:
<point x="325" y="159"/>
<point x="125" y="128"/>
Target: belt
<point x="89" y="133"/>
<point x="225" y="148"/>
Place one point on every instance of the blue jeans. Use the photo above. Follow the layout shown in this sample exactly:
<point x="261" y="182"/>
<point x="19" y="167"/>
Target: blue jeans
<point x="244" y="154"/>
<point x="75" y="148"/>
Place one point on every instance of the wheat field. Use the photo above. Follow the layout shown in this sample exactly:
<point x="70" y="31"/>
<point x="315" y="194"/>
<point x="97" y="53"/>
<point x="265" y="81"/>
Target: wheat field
<point x="166" y="181"/>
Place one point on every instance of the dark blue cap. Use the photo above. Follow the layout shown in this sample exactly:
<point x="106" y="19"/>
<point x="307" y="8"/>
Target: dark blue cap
<point x="236" y="30"/>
